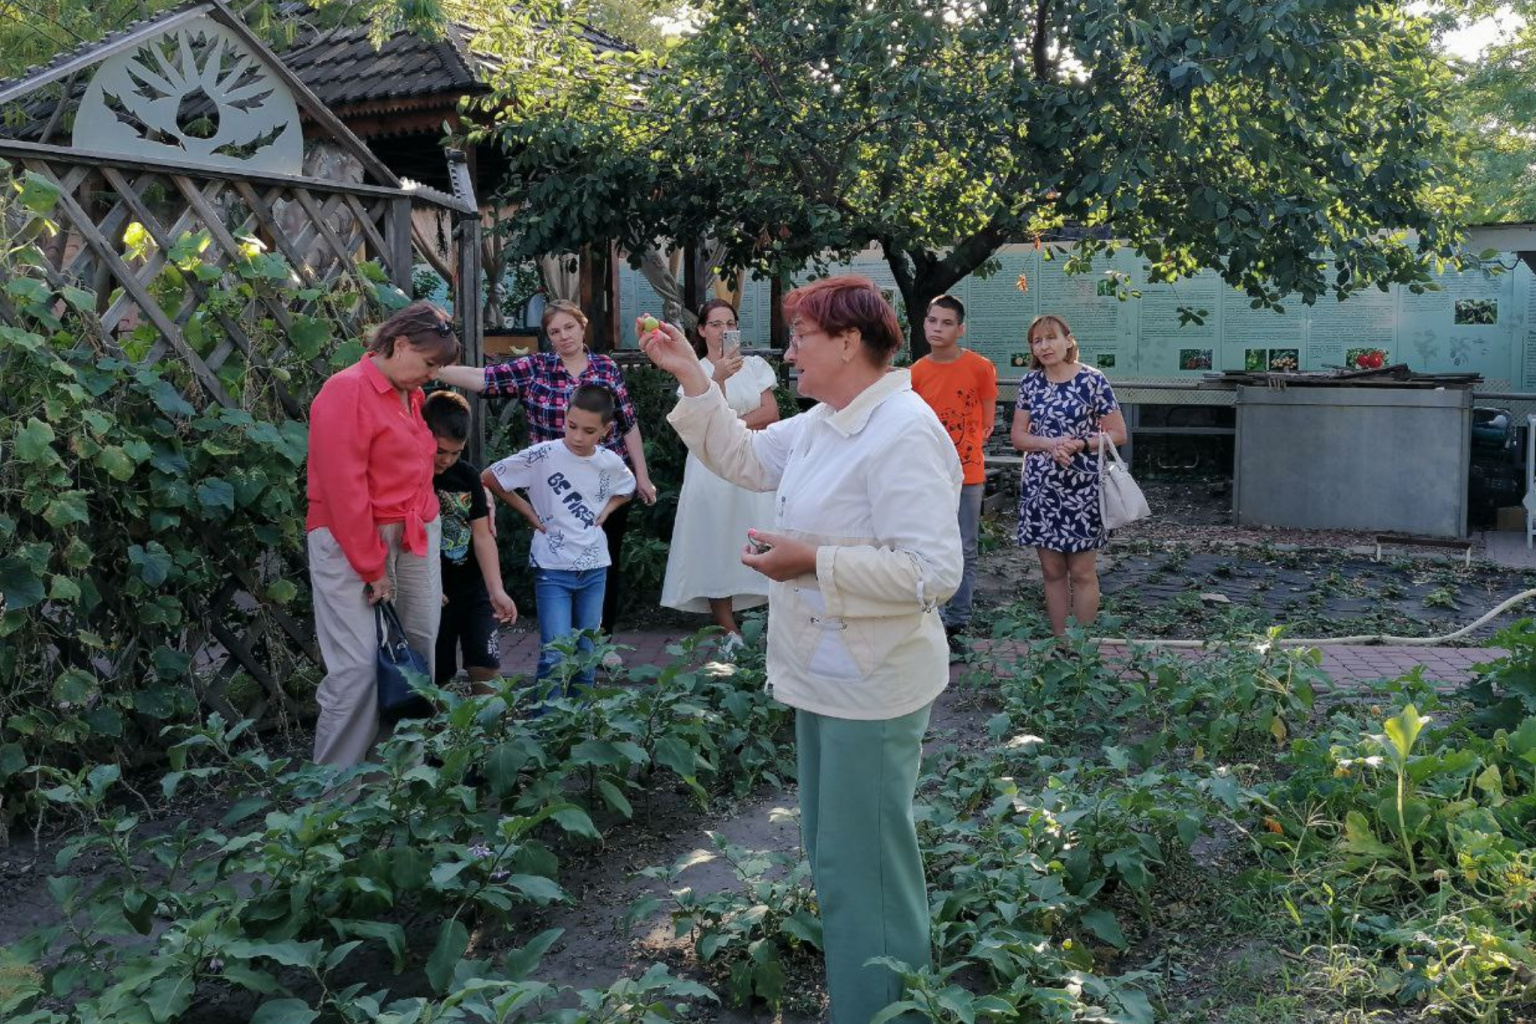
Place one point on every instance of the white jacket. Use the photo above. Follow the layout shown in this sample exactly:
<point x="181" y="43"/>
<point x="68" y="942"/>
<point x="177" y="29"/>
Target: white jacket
<point x="876" y="487"/>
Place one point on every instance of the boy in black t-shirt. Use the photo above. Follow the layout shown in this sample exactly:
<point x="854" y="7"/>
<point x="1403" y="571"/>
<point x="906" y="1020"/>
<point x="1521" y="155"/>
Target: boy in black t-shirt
<point x="474" y="600"/>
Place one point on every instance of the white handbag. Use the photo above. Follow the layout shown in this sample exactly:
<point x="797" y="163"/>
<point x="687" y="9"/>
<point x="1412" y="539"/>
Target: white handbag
<point x="1120" y="500"/>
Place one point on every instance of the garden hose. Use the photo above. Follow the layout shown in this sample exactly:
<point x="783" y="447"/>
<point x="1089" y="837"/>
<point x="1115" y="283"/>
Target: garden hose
<point x="1336" y="641"/>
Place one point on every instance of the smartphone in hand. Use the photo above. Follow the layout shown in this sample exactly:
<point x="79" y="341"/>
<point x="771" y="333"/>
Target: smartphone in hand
<point x="731" y="342"/>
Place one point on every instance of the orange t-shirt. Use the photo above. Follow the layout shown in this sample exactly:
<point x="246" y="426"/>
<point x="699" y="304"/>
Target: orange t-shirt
<point x="963" y="394"/>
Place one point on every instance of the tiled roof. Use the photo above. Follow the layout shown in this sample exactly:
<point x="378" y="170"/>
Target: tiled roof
<point x="340" y="65"/>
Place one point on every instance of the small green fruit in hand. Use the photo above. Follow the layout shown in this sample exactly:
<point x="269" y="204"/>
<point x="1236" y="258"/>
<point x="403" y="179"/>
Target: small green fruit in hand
<point x="650" y="324"/>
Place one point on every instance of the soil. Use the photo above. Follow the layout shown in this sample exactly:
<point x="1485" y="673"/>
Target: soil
<point x="1156" y="574"/>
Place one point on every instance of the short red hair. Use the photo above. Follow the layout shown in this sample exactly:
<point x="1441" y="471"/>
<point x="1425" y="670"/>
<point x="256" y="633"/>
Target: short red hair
<point x="845" y="303"/>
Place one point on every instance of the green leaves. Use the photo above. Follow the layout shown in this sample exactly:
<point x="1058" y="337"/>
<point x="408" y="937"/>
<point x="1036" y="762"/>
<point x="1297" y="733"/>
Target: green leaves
<point x="309" y="336"/>
<point x="34" y="441"/>
<point x="452" y="941"/>
<point x="1400" y="734"/>
<point x="151" y="562"/>
<point x="37" y="193"/>
<point x="288" y="954"/>
<point x="66" y="509"/>
<point x="22" y="574"/>
<point x="216" y="496"/>
<point x="284" y="1011"/>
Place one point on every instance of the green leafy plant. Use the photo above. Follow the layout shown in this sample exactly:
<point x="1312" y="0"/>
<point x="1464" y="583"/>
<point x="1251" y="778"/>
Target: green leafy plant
<point x="1504" y="689"/>
<point x="749" y="934"/>
<point x="130" y="502"/>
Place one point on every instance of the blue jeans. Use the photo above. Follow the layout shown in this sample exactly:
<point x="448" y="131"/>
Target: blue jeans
<point x="957" y="613"/>
<point x="569" y="600"/>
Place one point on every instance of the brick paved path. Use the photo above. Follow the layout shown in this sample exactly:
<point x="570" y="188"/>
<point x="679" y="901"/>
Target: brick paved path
<point x="1359" y="663"/>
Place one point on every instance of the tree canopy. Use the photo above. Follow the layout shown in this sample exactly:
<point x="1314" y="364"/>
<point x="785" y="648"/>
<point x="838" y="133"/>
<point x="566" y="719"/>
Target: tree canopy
<point x="1288" y="146"/>
<point x="1494" y="106"/>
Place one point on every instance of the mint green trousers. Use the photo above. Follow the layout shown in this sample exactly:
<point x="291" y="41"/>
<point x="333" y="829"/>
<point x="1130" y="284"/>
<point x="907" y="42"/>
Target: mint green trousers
<point x="856" y="784"/>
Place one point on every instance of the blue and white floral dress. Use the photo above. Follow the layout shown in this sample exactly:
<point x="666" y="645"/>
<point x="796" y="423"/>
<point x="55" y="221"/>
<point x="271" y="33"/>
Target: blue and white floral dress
<point x="1059" y="505"/>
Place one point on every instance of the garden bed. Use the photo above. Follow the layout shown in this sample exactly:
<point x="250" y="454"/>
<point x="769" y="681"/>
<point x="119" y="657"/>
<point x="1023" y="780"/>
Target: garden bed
<point x="1161" y="839"/>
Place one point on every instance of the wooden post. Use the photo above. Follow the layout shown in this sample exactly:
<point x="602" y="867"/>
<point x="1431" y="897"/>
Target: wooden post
<point x="397" y="237"/>
<point x="586" y="298"/>
<point x="615" y="329"/>
<point x="466" y="292"/>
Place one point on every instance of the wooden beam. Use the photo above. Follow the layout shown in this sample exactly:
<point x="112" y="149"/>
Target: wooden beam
<point x="74" y="155"/>
<point x="97" y="53"/>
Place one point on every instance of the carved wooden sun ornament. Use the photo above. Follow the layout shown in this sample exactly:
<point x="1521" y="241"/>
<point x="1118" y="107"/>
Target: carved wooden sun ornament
<point x="193" y="95"/>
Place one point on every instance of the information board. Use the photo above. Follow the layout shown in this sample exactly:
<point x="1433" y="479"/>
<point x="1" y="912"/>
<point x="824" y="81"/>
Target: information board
<point x="1477" y="322"/>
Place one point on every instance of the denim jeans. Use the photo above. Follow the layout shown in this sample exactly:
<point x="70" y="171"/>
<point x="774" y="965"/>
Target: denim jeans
<point x="957" y="613"/>
<point x="569" y="600"/>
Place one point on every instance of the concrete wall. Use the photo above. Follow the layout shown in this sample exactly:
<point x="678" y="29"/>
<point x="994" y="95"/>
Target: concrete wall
<point x="1353" y="458"/>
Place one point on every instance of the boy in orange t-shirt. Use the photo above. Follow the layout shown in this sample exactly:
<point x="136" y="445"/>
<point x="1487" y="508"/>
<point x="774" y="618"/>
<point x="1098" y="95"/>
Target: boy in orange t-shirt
<point x="961" y="388"/>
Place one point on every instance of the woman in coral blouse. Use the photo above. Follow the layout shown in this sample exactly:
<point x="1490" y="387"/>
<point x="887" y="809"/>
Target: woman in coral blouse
<point x="373" y="524"/>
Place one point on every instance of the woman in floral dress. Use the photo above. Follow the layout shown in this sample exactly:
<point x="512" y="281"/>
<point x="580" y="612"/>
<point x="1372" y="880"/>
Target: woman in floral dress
<point x="1062" y="408"/>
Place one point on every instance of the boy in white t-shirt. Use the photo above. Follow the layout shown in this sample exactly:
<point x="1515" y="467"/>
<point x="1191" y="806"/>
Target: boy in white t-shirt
<point x="573" y="485"/>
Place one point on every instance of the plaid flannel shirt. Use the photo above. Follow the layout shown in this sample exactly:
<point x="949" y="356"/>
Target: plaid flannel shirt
<point x="542" y="383"/>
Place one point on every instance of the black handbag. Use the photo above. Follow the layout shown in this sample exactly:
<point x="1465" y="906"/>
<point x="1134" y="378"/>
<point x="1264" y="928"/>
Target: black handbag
<point x="397" y="697"/>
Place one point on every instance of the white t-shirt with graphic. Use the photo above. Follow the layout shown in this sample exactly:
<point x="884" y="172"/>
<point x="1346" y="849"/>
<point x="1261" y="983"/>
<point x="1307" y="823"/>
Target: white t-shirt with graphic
<point x="568" y="492"/>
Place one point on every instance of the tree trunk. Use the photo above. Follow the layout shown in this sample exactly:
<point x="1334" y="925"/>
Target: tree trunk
<point x="778" y="330"/>
<point x="922" y="276"/>
<point x="691" y="299"/>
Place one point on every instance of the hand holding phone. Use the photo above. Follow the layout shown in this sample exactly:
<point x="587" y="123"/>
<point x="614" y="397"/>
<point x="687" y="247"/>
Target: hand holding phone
<point x="731" y="342"/>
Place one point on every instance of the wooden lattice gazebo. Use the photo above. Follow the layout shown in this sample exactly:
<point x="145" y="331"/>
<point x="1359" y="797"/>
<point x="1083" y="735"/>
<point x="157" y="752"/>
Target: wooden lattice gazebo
<point x="184" y="134"/>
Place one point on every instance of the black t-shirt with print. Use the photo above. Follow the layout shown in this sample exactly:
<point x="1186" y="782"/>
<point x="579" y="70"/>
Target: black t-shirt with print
<point x="462" y="498"/>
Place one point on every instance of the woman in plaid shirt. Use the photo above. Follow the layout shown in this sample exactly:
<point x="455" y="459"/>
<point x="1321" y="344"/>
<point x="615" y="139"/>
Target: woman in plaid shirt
<point x="543" y="383"/>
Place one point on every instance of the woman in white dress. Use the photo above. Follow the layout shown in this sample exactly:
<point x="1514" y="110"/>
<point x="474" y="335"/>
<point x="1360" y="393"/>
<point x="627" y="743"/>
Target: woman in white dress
<point x="704" y="570"/>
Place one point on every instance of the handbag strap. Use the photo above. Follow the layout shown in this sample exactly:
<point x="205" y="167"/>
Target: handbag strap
<point x="386" y="622"/>
<point x="1114" y="454"/>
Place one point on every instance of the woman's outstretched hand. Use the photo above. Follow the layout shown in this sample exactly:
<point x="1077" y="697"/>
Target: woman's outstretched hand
<point x="669" y="350"/>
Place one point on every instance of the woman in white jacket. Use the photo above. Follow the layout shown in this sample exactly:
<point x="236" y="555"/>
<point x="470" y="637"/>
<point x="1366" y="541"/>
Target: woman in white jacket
<point x="863" y="550"/>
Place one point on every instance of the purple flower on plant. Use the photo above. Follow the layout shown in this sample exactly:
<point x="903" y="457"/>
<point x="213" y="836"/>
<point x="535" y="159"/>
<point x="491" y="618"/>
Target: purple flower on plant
<point x="480" y="851"/>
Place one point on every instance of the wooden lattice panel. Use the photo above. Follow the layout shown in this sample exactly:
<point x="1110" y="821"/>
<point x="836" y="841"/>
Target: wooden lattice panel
<point x="121" y="222"/>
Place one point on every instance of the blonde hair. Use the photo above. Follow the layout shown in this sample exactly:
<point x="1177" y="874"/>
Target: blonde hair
<point x="566" y="306"/>
<point x="1050" y="320"/>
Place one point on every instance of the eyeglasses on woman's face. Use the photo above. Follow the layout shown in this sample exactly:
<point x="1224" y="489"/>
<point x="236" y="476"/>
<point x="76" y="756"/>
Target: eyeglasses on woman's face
<point x="729" y="325"/>
<point x="798" y="335"/>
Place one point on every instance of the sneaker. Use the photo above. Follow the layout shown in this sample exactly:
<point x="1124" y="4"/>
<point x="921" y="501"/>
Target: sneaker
<point x="612" y="662"/>
<point x="731" y="646"/>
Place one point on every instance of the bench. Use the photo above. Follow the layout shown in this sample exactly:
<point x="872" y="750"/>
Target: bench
<point x="1408" y="540"/>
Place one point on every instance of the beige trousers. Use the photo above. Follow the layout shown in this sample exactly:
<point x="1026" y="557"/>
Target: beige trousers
<point x="347" y="631"/>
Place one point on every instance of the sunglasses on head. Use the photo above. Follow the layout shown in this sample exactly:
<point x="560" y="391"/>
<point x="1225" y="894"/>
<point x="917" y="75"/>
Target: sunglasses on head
<point x="443" y="327"/>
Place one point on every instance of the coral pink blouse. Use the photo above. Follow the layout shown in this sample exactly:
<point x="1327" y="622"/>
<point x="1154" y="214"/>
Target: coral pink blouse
<point x="370" y="463"/>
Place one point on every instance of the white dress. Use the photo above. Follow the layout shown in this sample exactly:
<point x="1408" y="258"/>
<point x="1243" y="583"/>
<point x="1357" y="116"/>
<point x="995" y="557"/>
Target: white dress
<point x="713" y="518"/>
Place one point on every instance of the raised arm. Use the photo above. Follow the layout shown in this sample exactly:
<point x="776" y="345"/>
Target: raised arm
<point x="709" y="427"/>
<point x="469" y="378"/>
